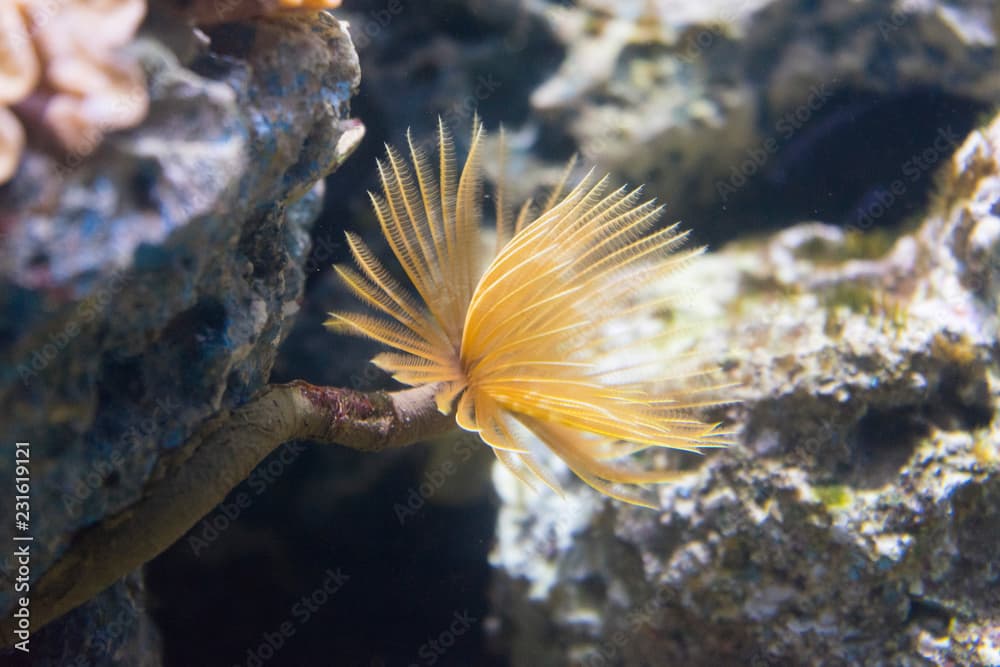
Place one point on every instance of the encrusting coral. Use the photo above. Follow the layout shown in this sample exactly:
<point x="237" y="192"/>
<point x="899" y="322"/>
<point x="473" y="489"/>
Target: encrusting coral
<point x="528" y="346"/>
<point x="62" y="75"/>
<point x="19" y="71"/>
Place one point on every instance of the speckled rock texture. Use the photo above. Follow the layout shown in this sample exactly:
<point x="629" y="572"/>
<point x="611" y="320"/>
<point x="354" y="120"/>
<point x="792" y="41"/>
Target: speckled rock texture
<point x="146" y="287"/>
<point x="857" y="519"/>
<point x="695" y="99"/>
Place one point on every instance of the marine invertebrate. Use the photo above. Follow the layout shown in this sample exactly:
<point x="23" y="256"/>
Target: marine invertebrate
<point x="524" y="345"/>
<point x="527" y="345"/>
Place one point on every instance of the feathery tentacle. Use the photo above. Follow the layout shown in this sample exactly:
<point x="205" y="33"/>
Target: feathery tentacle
<point x="525" y="347"/>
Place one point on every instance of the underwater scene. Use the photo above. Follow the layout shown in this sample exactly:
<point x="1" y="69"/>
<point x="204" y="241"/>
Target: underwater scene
<point x="499" y="333"/>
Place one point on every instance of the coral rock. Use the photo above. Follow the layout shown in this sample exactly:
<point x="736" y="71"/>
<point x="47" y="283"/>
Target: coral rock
<point x="146" y="288"/>
<point x="863" y="499"/>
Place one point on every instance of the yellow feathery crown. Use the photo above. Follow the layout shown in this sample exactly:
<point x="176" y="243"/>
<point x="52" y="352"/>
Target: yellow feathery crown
<point x="527" y="344"/>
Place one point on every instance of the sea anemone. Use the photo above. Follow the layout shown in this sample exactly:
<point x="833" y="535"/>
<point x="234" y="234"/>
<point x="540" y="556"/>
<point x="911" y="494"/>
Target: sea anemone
<point x="526" y="349"/>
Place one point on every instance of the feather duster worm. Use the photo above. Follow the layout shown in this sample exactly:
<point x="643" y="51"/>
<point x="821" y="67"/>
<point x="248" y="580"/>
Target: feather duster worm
<point x="525" y="345"/>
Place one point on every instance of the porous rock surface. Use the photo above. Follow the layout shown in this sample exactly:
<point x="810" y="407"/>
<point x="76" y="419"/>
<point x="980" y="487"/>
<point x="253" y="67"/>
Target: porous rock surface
<point x="857" y="519"/>
<point x="692" y="98"/>
<point x="724" y="109"/>
<point x="146" y="287"/>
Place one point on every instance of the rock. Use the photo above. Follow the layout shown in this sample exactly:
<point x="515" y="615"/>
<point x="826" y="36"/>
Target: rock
<point x="857" y="521"/>
<point x="147" y="287"/>
<point x="736" y="113"/>
<point x="698" y="99"/>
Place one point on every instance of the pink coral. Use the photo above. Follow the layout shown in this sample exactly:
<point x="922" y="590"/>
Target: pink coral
<point x="64" y="76"/>
<point x="19" y="72"/>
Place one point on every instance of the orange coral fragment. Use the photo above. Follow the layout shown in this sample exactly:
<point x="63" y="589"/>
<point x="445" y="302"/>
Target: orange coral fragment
<point x="209" y="12"/>
<point x="309" y="4"/>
